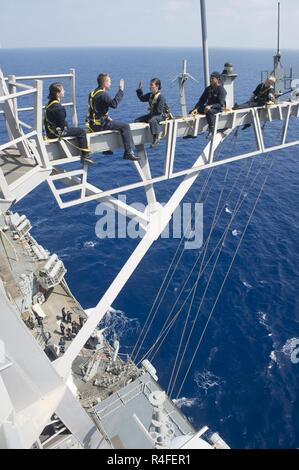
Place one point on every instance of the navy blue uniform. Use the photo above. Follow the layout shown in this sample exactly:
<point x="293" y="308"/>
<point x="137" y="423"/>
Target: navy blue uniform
<point x="156" y="112"/>
<point x="55" y="117"/>
<point x="102" y="122"/>
<point x="214" y="97"/>
<point x="261" y="96"/>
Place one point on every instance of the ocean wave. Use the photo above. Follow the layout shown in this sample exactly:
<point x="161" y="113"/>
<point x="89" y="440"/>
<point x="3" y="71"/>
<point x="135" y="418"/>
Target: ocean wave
<point x="90" y="244"/>
<point x="246" y="284"/>
<point x="263" y="320"/>
<point x="187" y="402"/>
<point x="236" y="233"/>
<point x="206" y="380"/>
<point x="117" y="324"/>
<point x="273" y="360"/>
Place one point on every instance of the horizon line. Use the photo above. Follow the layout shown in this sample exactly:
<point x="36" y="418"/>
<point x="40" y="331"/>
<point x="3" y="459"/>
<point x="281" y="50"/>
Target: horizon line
<point x="142" y="47"/>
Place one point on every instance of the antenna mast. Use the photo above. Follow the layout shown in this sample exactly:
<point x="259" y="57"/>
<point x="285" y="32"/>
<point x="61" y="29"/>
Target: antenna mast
<point x="205" y="48"/>
<point x="278" y="31"/>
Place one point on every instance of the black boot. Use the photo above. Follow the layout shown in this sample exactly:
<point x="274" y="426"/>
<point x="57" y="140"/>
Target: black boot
<point x="156" y="141"/>
<point x="131" y="156"/>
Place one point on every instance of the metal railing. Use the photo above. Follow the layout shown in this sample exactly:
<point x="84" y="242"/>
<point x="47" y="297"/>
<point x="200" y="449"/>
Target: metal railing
<point x="13" y="82"/>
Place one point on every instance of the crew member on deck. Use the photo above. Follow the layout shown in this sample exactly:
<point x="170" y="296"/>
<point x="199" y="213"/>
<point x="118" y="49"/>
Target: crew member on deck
<point x="56" y="125"/>
<point x="98" y="119"/>
<point x="157" y="108"/>
<point x="212" y="101"/>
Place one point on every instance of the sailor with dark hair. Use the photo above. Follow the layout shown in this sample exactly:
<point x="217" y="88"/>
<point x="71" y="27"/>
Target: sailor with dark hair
<point x="98" y="118"/>
<point x="64" y="315"/>
<point x="62" y="328"/>
<point x="212" y="101"/>
<point x="69" y="317"/>
<point x="74" y="328"/>
<point x="156" y="110"/>
<point x="56" y="125"/>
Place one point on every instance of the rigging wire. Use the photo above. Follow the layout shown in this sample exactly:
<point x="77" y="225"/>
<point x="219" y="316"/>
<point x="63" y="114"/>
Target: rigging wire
<point x="226" y="276"/>
<point x="202" y="261"/>
<point x="153" y="312"/>
<point x="166" y="329"/>
<point x="205" y="290"/>
<point x="200" y="254"/>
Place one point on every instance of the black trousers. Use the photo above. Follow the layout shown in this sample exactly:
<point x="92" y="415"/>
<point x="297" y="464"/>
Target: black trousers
<point x="153" y="121"/>
<point x="211" y="115"/>
<point x="123" y="128"/>
<point x="81" y="138"/>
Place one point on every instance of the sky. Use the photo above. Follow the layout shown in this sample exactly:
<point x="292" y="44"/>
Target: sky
<point x="145" y="23"/>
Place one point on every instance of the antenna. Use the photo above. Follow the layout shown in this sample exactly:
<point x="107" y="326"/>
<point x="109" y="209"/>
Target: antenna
<point x="278" y="31"/>
<point x="182" y="78"/>
<point x="205" y="48"/>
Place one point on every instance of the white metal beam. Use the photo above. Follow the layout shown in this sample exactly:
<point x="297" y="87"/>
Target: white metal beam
<point x="159" y="221"/>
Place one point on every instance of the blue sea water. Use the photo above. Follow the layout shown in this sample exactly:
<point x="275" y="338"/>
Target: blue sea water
<point x="242" y="382"/>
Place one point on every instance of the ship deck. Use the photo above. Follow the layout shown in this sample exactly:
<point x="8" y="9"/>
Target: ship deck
<point x="121" y="416"/>
<point x="17" y="265"/>
<point x="14" y="166"/>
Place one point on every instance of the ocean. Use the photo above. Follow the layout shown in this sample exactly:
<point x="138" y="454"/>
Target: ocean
<point x="242" y="382"/>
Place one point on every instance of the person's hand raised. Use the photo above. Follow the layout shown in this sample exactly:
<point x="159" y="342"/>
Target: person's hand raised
<point x="122" y="84"/>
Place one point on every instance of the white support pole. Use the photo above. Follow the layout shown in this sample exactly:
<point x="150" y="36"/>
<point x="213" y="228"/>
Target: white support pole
<point x="205" y="48"/>
<point x="170" y="125"/>
<point x="143" y="164"/>
<point x="12" y="90"/>
<point x="182" y="80"/>
<point x="173" y="148"/>
<point x="38" y="107"/>
<point x="286" y="126"/>
<point x="158" y="222"/>
<point x="73" y="97"/>
<point x="42" y="151"/>
<point x="259" y="129"/>
<point x="11" y="120"/>
<point x="211" y="151"/>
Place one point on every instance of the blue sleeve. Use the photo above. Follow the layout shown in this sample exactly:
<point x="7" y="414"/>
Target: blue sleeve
<point x="161" y="103"/>
<point x="202" y="100"/>
<point x="57" y="116"/>
<point x="142" y="97"/>
<point x="112" y="102"/>
<point x="222" y="96"/>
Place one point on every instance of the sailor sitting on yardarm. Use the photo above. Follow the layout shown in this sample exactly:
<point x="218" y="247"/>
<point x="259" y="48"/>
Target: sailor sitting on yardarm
<point x="211" y="102"/>
<point x="56" y="125"/>
<point x="98" y="118"/>
<point x="157" y="110"/>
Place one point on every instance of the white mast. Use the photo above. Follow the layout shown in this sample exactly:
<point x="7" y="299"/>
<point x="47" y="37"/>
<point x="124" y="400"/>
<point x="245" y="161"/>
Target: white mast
<point x="205" y="48"/>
